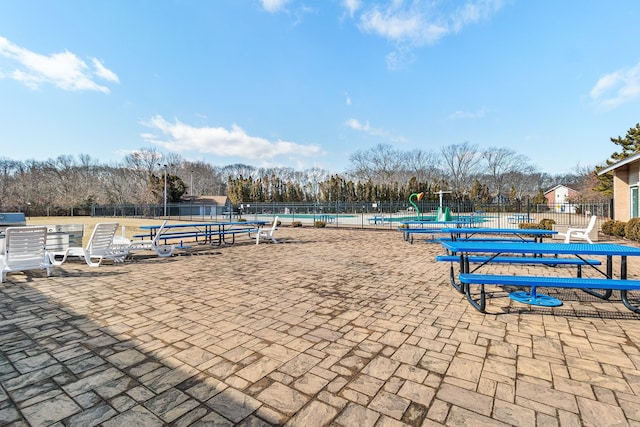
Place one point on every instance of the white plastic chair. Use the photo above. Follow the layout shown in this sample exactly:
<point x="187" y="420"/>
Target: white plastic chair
<point x="267" y="233"/>
<point x="24" y="249"/>
<point x="580" y="233"/>
<point x="153" y="244"/>
<point x="100" y="246"/>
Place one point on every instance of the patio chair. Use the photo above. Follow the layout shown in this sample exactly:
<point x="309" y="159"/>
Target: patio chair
<point x="24" y="249"/>
<point x="267" y="233"/>
<point x="580" y="233"/>
<point x="153" y="244"/>
<point x="99" y="246"/>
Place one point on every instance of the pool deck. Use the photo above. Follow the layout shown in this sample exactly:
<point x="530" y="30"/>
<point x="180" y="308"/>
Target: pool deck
<point x="333" y="327"/>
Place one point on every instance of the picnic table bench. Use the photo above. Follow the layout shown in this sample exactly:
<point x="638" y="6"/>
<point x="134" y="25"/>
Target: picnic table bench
<point x="207" y="232"/>
<point x="493" y="252"/>
<point x="506" y="234"/>
<point x="376" y="219"/>
<point x="518" y="218"/>
<point x="523" y="260"/>
<point x="326" y="218"/>
<point x="427" y="227"/>
<point x="533" y="298"/>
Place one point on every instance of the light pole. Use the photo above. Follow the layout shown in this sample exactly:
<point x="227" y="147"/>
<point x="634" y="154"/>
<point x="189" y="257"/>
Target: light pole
<point x="165" y="188"/>
<point x="191" y="196"/>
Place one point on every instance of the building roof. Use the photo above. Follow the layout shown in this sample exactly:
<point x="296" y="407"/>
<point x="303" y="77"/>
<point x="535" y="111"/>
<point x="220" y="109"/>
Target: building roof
<point x="620" y="163"/>
<point x="218" y="200"/>
<point x="558" y="186"/>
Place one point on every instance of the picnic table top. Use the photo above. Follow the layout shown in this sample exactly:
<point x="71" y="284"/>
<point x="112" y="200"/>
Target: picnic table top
<point x="542" y="248"/>
<point x="203" y="224"/>
<point x="479" y="230"/>
<point x="452" y="222"/>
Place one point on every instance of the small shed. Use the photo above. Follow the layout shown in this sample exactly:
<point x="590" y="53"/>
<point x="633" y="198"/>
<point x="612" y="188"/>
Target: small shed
<point x="204" y="206"/>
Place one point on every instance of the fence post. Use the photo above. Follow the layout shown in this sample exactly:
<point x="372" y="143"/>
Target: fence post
<point x="611" y="212"/>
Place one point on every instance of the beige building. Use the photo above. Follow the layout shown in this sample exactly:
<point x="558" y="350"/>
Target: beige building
<point x="626" y="177"/>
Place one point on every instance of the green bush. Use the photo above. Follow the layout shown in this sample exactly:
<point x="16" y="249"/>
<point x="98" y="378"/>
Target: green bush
<point x="632" y="229"/>
<point x="527" y="225"/>
<point x="607" y="227"/>
<point x="618" y="228"/>
<point x="320" y="224"/>
<point x="547" y="224"/>
<point x="614" y="228"/>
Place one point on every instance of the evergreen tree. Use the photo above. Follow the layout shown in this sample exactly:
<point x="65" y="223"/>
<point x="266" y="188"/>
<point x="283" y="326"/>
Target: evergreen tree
<point x="629" y="145"/>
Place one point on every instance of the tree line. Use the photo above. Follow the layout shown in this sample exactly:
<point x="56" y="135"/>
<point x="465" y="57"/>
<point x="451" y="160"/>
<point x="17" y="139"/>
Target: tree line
<point x="381" y="173"/>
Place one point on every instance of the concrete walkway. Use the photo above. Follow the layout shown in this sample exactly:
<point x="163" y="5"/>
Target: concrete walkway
<point x="333" y="327"/>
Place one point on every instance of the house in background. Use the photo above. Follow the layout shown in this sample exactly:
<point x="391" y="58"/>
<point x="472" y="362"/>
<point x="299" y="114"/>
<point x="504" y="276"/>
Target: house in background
<point x="558" y="198"/>
<point x="205" y="206"/>
<point x="626" y="174"/>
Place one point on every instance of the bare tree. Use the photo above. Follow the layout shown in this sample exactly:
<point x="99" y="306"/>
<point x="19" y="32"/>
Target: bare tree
<point x="500" y="162"/>
<point x="315" y="176"/>
<point x="143" y="165"/>
<point x="462" y="164"/>
<point x="424" y="166"/>
<point x="8" y="170"/>
<point x="237" y="170"/>
<point x="379" y="164"/>
<point x="525" y="183"/>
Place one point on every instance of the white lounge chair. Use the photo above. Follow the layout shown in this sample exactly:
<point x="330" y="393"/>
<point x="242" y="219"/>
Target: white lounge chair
<point x="580" y="233"/>
<point x="24" y="249"/>
<point x="267" y="233"/>
<point x="153" y="244"/>
<point x="99" y="246"/>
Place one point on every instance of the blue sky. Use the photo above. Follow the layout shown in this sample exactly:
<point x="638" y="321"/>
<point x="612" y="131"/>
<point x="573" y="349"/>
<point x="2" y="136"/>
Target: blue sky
<point x="307" y="83"/>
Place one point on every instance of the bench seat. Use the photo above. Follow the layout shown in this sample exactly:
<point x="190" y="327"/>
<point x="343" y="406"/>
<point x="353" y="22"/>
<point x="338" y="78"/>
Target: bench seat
<point x="198" y="234"/>
<point x="585" y="284"/>
<point x="488" y="239"/>
<point x="409" y="232"/>
<point x="480" y="259"/>
<point x="553" y="282"/>
<point x="521" y="260"/>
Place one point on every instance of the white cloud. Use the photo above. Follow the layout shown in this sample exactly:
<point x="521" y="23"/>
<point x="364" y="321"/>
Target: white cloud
<point x="467" y="114"/>
<point x="103" y="72"/>
<point x="421" y="22"/>
<point x="352" y="6"/>
<point x="617" y="87"/>
<point x="400" y="58"/>
<point x="366" y="128"/>
<point x="63" y="70"/>
<point x="274" y="5"/>
<point x="234" y="142"/>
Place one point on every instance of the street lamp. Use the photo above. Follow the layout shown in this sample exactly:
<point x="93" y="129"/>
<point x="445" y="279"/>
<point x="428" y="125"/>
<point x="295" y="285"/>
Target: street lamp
<point x="165" y="188"/>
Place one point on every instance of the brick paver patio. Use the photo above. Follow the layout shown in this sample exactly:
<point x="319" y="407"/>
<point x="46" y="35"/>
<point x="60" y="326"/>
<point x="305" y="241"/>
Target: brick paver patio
<point x="333" y="327"/>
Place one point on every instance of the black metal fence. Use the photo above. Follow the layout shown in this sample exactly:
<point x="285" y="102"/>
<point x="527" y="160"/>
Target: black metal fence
<point x="370" y="214"/>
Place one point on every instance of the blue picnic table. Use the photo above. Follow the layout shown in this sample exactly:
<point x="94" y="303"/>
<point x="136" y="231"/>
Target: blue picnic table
<point x="511" y="234"/>
<point x="494" y="251"/>
<point x="428" y="227"/>
<point x="209" y="232"/>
